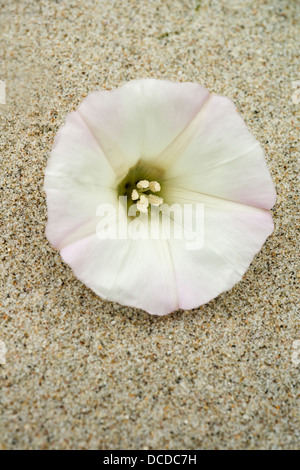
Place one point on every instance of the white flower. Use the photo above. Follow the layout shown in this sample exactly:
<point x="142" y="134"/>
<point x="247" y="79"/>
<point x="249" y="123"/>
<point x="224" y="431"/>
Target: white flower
<point x="188" y="147"/>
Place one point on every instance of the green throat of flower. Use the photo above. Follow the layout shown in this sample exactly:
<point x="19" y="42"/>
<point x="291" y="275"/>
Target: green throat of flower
<point x="142" y="186"/>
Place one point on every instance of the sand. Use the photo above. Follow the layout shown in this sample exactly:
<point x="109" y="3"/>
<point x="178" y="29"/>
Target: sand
<point x="85" y="373"/>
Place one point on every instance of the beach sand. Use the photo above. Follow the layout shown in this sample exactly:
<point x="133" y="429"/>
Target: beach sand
<point x="86" y="373"/>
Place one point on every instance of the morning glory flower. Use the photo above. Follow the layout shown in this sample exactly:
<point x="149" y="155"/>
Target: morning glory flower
<point x="126" y="156"/>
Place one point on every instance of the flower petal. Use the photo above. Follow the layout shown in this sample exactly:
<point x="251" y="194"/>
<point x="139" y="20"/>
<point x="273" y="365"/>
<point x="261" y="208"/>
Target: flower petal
<point x="78" y="178"/>
<point x="136" y="273"/>
<point x="142" y="117"/>
<point x="220" y="157"/>
<point x="233" y="234"/>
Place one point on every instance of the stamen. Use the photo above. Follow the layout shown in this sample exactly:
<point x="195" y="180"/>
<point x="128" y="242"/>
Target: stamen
<point x="134" y="195"/>
<point x="144" y="200"/>
<point x="143" y="184"/>
<point x="142" y="207"/>
<point x="154" y="186"/>
<point x="155" y="200"/>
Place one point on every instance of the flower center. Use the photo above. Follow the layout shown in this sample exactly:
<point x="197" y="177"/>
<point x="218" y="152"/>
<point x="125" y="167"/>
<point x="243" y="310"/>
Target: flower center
<point x="143" y="194"/>
<point x="141" y="186"/>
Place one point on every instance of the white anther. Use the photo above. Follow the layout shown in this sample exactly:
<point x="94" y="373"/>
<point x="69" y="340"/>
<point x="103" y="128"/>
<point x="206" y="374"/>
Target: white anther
<point x="134" y="195"/>
<point x="144" y="200"/>
<point x="142" y="207"/>
<point x="143" y="184"/>
<point x="155" y="200"/>
<point x="154" y="186"/>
